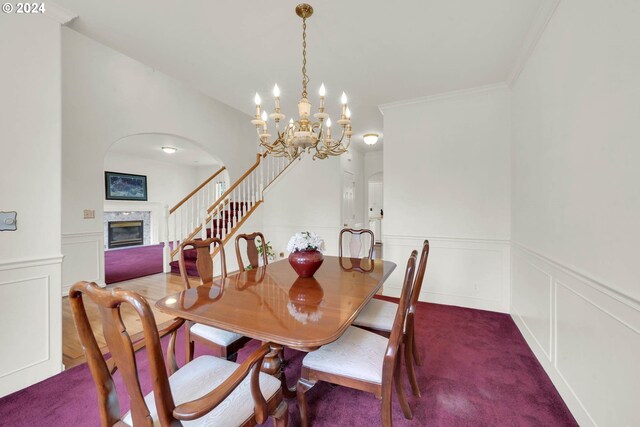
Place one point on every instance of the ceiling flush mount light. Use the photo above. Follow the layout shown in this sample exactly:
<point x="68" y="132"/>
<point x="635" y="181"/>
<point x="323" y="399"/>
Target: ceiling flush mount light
<point x="370" y="138"/>
<point x="169" y="150"/>
<point x="303" y="134"/>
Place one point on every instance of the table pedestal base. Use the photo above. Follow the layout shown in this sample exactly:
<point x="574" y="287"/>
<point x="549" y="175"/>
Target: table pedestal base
<point x="273" y="364"/>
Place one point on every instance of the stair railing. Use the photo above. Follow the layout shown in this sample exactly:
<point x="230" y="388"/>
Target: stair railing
<point x="181" y="218"/>
<point x="212" y="211"/>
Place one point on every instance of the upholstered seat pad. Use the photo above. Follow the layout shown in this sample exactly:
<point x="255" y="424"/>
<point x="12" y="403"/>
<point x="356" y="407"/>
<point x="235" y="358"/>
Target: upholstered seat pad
<point x="202" y="375"/>
<point x="356" y="354"/>
<point x="377" y="314"/>
<point x="215" y="335"/>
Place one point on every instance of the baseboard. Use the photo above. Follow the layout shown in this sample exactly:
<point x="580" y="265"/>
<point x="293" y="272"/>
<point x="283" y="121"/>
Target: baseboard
<point x="585" y="334"/>
<point x="568" y="395"/>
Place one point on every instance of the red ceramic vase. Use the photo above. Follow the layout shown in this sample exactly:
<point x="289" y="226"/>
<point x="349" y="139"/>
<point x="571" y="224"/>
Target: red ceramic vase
<point x="306" y="263"/>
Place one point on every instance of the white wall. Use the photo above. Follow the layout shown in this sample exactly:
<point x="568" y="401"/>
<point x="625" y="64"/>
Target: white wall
<point x="307" y="197"/>
<point x="576" y="204"/>
<point x="353" y="162"/>
<point x="30" y="170"/>
<point x="107" y="96"/>
<point x="373" y="162"/>
<point x="447" y="179"/>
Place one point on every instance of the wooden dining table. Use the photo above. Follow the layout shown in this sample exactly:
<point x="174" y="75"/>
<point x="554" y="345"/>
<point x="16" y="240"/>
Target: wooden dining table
<point x="272" y="304"/>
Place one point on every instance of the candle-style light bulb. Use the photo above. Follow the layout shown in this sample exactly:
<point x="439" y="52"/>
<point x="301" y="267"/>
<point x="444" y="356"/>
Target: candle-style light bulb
<point x="343" y="98"/>
<point x="265" y="117"/>
<point x="276" y="91"/>
<point x="348" y="113"/>
<point x="329" y="122"/>
<point x="257" y="101"/>
<point x="322" y="91"/>
<point x="329" y="128"/>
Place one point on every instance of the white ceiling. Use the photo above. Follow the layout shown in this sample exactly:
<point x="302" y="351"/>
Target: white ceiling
<point x="149" y="146"/>
<point x="377" y="51"/>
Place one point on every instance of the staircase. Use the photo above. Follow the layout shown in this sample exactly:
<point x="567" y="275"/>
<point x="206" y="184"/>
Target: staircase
<point x="212" y="210"/>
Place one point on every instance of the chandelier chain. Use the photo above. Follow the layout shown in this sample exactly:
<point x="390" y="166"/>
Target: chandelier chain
<point x="305" y="78"/>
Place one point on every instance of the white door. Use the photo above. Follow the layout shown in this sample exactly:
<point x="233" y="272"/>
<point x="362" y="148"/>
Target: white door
<point x="375" y="199"/>
<point x="348" y="198"/>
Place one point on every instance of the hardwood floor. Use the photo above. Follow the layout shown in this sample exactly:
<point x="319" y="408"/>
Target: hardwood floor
<point x="151" y="287"/>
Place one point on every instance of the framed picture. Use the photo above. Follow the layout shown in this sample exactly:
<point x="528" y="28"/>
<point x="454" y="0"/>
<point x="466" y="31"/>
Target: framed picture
<point x="125" y="186"/>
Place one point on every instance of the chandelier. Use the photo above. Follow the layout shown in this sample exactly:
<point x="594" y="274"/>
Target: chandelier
<point x="305" y="133"/>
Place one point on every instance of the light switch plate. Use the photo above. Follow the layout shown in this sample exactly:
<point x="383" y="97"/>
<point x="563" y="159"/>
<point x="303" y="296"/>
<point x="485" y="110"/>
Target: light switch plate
<point x="89" y="214"/>
<point x="8" y="221"/>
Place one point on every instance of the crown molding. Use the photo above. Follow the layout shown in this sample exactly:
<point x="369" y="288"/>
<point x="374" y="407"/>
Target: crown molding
<point x="445" y="95"/>
<point x="537" y="28"/>
<point x="59" y="14"/>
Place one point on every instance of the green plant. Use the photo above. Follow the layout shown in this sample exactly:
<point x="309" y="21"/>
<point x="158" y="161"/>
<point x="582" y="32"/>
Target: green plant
<point x="270" y="252"/>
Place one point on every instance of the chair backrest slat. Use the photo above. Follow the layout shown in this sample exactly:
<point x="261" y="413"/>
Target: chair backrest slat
<point x="356" y="242"/>
<point x="252" y="250"/>
<point x="122" y="351"/>
<point x="204" y="261"/>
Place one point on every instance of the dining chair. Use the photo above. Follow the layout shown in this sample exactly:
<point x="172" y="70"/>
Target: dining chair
<point x="224" y="343"/>
<point x="362" y="360"/>
<point x="252" y="250"/>
<point x="378" y="315"/>
<point x="356" y="240"/>
<point x="205" y="391"/>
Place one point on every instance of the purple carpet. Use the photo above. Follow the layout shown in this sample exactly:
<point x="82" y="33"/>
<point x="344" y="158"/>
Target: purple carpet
<point x="478" y="371"/>
<point x="131" y="263"/>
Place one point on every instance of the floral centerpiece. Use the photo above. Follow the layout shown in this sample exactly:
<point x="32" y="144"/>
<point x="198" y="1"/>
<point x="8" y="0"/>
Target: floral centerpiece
<point x="305" y="253"/>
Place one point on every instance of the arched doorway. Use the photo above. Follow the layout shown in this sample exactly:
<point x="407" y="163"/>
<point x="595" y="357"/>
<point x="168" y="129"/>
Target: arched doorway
<point x="144" y="175"/>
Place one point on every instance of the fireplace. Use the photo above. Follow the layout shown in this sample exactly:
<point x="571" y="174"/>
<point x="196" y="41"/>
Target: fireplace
<point x="125" y="233"/>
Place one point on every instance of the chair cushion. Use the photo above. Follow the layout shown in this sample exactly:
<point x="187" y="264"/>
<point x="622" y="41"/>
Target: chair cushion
<point x="199" y="377"/>
<point x="356" y="354"/>
<point x="377" y="314"/>
<point x="215" y="335"/>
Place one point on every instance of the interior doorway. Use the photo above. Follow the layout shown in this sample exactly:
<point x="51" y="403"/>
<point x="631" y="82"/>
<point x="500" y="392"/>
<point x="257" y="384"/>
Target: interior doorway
<point x="376" y="205"/>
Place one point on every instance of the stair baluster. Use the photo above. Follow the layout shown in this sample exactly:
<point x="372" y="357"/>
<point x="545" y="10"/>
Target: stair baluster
<point x="214" y="209"/>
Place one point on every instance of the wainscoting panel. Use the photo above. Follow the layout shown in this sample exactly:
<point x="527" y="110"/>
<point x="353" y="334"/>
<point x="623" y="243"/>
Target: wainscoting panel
<point x="594" y="334"/>
<point x="531" y="300"/>
<point x="31" y="318"/>
<point x="464" y="272"/>
<point x="83" y="258"/>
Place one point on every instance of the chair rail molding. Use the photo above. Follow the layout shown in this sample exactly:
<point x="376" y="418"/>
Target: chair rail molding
<point x="467" y="272"/>
<point x="561" y="311"/>
<point x="30" y="262"/>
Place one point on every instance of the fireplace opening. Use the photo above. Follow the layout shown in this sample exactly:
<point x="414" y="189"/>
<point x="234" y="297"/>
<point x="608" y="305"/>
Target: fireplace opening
<point x="125" y="233"/>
